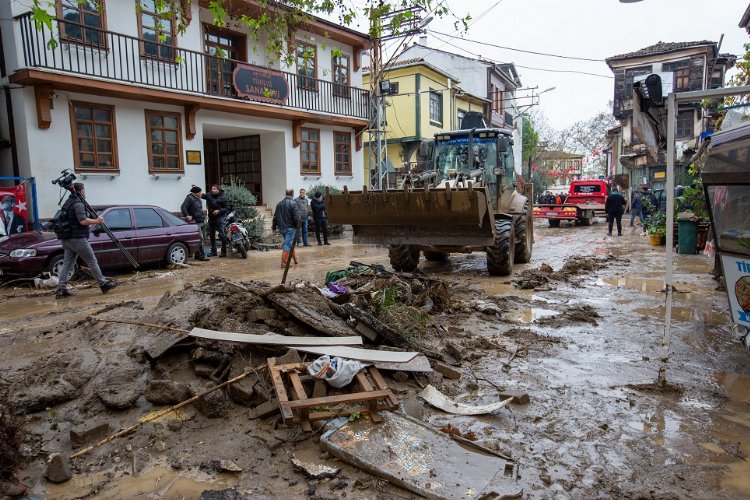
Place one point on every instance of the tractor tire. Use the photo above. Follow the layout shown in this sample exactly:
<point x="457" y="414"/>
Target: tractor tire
<point x="554" y="222"/>
<point x="403" y="257"/>
<point x="436" y="256"/>
<point x="524" y="239"/>
<point x="500" y="256"/>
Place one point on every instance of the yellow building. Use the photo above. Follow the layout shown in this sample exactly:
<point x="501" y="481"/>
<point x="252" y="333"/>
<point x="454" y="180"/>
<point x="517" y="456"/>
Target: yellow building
<point x="428" y="100"/>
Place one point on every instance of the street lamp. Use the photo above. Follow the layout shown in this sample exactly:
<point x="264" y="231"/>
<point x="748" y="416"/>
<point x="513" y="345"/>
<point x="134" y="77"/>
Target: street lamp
<point x="629" y="1"/>
<point x="547" y="90"/>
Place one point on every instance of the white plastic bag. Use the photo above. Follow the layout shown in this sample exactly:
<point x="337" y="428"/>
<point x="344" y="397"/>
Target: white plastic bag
<point x="338" y="372"/>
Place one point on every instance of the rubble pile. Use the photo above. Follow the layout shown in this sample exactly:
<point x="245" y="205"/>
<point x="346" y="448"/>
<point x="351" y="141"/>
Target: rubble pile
<point x="570" y="272"/>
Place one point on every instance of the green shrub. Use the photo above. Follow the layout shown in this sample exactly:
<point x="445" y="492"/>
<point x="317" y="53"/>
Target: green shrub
<point x="243" y="202"/>
<point x="333" y="229"/>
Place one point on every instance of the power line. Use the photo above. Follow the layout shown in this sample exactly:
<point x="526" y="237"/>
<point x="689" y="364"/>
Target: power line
<point x="446" y="42"/>
<point x="517" y="50"/>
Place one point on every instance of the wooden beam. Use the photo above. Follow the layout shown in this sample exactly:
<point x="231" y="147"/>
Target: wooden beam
<point x="357" y="57"/>
<point x="190" y="128"/>
<point x="358" y="132"/>
<point x="297" y="132"/>
<point x="90" y="86"/>
<point x="42" y="96"/>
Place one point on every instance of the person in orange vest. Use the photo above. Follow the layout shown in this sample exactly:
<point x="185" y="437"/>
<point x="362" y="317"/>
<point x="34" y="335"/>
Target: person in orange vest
<point x="558" y="200"/>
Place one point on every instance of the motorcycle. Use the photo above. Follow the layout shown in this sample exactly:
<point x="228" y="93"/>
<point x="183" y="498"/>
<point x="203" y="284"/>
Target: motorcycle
<point x="239" y="241"/>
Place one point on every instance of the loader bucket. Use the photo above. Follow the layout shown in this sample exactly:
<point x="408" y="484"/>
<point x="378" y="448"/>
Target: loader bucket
<point x="450" y="217"/>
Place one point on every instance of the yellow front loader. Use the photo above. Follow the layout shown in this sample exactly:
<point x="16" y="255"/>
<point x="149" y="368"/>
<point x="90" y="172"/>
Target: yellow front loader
<point x="465" y="201"/>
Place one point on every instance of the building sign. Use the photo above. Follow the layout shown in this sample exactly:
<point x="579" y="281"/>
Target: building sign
<point x="260" y="84"/>
<point x="737" y="275"/>
<point x="660" y="175"/>
<point x="193" y="157"/>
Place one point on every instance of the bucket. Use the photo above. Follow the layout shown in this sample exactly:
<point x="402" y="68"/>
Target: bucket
<point x="654" y="239"/>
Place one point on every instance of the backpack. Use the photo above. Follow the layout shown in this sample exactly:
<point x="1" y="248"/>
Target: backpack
<point x="60" y="223"/>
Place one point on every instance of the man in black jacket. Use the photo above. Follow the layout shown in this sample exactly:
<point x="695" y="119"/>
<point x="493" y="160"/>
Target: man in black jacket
<point x="285" y="220"/>
<point x="192" y="210"/>
<point x="320" y="217"/>
<point x="74" y="237"/>
<point x="615" y="207"/>
<point x="218" y="207"/>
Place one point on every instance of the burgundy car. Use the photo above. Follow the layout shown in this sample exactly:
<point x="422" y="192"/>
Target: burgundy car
<point x="151" y="235"/>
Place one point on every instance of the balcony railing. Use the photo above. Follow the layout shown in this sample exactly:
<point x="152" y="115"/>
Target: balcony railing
<point x="92" y="52"/>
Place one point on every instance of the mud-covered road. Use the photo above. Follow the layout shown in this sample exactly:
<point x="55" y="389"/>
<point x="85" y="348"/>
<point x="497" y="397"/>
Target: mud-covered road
<point x="589" y="341"/>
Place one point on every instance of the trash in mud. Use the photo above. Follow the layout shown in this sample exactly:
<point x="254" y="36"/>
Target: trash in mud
<point x="337" y="372"/>
<point x="421" y="459"/>
<point x="570" y="271"/>
<point x="314" y="470"/>
<point x="301" y="403"/>
<point x="12" y="435"/>
<point x="441" y="401"/>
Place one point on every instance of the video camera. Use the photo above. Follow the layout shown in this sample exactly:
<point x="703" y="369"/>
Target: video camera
<point x="65" y="181"/>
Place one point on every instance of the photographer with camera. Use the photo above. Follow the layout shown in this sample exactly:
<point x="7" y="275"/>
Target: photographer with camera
<point x="73" y="234"/>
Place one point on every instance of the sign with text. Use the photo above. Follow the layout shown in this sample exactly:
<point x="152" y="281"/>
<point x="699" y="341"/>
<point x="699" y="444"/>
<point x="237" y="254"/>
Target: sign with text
<point x="260" y="84"/>
<point x="737" y="274"/>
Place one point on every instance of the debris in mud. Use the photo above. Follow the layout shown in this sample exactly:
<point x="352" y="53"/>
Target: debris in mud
<point x="573" y="267"/>
<point x="574" y="314"/>
<point x="11" y="437"/>
<point x="455" y="431"/>
<point x="58" y="469"/>
<point x="441" y="401"/>
<point x="314" y="471"/>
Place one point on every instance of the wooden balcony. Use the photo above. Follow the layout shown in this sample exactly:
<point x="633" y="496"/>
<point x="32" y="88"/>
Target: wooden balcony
<point x="113" y="58"/>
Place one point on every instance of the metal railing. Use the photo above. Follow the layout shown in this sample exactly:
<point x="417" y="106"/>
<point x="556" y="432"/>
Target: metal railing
<point x="93" y="52"/>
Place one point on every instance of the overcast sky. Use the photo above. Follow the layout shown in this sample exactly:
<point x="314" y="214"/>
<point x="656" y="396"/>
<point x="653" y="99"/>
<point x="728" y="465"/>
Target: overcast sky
<point x="593" y="29"/>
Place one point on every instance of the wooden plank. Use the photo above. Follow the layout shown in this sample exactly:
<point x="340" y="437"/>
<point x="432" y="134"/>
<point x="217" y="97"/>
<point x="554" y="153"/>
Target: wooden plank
<point x="362" y="379"/>
<point x="278" y="385"/>
<point x="380" y="384"/>
<point x="340" y="398"/>
<point x="299" y="390"/>
<point x="274" y="339"/>
<point x="419" y="364"/>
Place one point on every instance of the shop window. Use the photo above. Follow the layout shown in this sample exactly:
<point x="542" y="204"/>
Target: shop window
<point x="84" y="22"/>
<point x="164" y="141"/>
<point x="342" y="146"/>
<point x="307" y="70"/>
<point x="436" y="108"/>
<point x="310" y="152"/>
<point x="94" y="138"/>
<point x="157" y="29"/>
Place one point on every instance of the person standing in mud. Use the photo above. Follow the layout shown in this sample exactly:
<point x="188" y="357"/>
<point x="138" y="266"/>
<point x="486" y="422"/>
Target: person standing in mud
<point x="218" y="207"/>
<point x="285" y="220"/>
<point x="74" y="237"/>
<point x="320" y="217"/>
<point x="615" y="207"/>
<point x="303" y="205"/>
<point x="192" y="210"/>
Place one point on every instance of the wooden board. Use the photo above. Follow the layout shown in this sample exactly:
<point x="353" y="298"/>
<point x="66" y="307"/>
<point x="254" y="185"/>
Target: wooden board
<point x="371" y="355"/>
<point x="275" y="339"/>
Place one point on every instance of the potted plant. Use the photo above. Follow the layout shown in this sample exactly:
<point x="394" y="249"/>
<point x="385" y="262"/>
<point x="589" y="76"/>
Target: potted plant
<point x="656" y="227"/>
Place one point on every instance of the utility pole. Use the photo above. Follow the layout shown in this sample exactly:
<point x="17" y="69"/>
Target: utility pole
<point x="401" y="23"/>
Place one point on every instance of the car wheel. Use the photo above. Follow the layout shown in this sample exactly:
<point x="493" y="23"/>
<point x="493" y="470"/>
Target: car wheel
<point x="177" y="253"/>
<point x="55" y="266"/>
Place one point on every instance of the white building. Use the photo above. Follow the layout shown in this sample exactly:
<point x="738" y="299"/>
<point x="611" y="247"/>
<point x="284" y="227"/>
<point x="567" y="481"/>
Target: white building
<point x="140" y="121"/>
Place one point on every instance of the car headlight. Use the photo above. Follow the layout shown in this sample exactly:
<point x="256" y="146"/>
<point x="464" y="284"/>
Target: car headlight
<point x="23" y="252"/>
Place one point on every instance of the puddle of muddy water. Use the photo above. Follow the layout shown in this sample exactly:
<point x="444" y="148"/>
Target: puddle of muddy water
<point x="529" y="315"/>
<point x="737" y="415"/>
<point x="659" y="427"/>
<point x="160" y="482"/>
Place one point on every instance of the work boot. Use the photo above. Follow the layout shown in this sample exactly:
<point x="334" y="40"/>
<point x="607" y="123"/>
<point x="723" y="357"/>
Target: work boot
<point x="294" y="256"/>
<point x="223" y="251"/>
<point x="213" y="253"/>
<point x="319" y="243"/>
<point x="284" y="258"/>
<point x="326" y="243"/>
<point x="63" y="292"/>
<point x="202" y="257"/>
<point x="108" y="285"/>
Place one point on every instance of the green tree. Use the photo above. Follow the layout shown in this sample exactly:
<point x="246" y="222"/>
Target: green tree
<point x="277" y="20"/>
<point x="530" y="141"/>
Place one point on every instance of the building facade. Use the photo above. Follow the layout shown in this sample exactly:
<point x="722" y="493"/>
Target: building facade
<point x="141" y="112"/>
<point x="495" y="83"/>
<point x="638" y="153"/>
<point x="428" y="101"/>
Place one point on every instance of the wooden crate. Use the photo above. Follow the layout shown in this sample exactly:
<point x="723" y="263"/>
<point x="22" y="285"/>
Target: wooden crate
<point x="298" y="406"/>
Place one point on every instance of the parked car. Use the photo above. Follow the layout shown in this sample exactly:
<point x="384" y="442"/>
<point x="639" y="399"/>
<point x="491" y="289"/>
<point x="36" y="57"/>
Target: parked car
<point x="151" y="235"/>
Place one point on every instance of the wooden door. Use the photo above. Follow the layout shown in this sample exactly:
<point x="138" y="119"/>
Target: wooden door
<point x="239" y="159"/>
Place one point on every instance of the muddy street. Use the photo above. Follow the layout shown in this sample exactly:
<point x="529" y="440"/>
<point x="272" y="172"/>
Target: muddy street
<point x="582" y="336"/>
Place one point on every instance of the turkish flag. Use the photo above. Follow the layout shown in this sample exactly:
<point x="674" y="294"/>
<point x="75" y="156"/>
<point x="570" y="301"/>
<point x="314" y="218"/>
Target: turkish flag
<point x="19" y="192"/>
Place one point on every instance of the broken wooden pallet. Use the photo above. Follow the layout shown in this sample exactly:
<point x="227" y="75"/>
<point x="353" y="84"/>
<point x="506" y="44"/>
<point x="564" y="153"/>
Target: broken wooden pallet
<point x="297" y="407"/>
